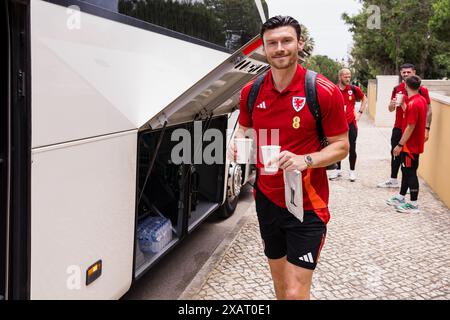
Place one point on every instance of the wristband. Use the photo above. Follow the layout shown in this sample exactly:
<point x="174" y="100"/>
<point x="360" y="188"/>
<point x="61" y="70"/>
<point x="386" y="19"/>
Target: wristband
<point x="400" y="145"/>
<point x="428" y="128"/>
<point x="360" y="111"/>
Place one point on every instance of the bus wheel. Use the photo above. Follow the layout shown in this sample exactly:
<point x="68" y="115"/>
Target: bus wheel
<point x="234" y="186"/>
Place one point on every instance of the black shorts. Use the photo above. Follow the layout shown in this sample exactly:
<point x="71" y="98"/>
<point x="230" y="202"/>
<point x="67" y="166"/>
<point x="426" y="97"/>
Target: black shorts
<point x="284" y="235"/>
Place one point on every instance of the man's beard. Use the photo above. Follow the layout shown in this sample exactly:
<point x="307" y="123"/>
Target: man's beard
<point x="406" y="77"/>
<point x="288" y="62"/>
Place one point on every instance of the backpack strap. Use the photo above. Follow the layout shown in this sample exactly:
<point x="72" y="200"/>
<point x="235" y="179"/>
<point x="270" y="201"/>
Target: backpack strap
<point x="253" y="94"/>
<point x="251" y="99"/>
<point x="313" y="104"/>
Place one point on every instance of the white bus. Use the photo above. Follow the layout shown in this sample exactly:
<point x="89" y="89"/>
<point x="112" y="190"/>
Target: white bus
<point x="89" y="100"/>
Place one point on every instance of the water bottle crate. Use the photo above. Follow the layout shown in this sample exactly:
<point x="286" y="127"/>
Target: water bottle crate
<point x="154" y="233"/>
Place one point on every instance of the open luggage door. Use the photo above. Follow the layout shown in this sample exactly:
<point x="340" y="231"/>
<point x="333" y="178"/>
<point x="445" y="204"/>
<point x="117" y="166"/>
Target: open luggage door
<point x="184" y="193"/>
<point x="218" y="92"/>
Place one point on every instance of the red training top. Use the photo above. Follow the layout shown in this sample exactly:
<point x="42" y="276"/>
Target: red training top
<point x="401" y="88"/>
<point x="350" y="100"/>
<point x="415" y="113"/>
<point x="288" y="114"/>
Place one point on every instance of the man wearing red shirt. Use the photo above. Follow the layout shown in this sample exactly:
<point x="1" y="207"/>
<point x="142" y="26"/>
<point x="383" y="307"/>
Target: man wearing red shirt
<point x="406" y="70"/>
<point x="411" y="146"/>
<point x="291" y="246"/>
<point x="351" y="94"/>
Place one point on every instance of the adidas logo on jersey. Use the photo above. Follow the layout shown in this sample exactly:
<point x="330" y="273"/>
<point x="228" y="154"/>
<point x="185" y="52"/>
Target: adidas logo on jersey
<point x="262" y="105"/>
<point x="307" y="258"/>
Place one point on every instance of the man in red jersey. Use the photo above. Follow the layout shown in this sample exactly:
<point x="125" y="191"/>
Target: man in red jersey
<point x="351" y="94"/>
<point x="411" y="146"/>
<point x="292" y="246"/>
<point x="406" y="70"/>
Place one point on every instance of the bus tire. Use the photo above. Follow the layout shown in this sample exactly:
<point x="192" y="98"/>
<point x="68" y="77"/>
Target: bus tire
<point x="228" y="208"/>
<point x="234" y="185"/>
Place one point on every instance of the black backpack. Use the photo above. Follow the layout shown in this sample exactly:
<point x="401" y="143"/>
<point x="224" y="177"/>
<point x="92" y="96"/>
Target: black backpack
<point x="311" y="100"/>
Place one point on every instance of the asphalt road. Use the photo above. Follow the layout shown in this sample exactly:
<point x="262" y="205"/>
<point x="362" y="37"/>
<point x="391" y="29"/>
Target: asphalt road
<point x="169" y="278"/>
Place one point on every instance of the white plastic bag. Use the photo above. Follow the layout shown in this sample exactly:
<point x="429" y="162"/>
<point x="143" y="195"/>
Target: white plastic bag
<point x="293" y="192"/>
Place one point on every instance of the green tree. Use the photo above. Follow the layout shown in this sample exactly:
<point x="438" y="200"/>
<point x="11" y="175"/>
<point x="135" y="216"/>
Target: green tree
<point x="440" y="28"/>
<point x="309" y="43"/>
<point x="405" y="35"/>
<point x="324" y="65"/>
<point x="440" y="20"/>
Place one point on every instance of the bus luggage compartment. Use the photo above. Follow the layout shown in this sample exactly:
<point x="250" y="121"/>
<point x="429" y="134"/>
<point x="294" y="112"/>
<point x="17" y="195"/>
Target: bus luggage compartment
<point x="183" y="193"/>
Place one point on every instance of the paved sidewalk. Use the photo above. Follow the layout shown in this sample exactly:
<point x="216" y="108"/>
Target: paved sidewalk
<point x="371" y="251"/>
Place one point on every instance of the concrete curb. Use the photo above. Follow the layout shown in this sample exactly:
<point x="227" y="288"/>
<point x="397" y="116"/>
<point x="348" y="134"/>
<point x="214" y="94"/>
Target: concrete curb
<point x="202" y="276"/>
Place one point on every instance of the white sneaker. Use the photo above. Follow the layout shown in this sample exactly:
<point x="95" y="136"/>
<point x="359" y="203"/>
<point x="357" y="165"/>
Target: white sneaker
<point x="334" y="174"/>
<point x="388" y="184"/>
<point x="395" y="201"/>
<point x="352" y="175"/>
<point x="408" y="207"/>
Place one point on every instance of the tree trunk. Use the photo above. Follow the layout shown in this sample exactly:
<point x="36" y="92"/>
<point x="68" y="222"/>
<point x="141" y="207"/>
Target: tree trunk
<point x="397" y="49"/>
<point x="425" y="53"/>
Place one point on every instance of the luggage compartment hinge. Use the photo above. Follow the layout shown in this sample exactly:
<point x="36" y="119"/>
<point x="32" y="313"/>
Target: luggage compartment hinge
<point x="203" y="114"/>
<point x="162" y="119"/>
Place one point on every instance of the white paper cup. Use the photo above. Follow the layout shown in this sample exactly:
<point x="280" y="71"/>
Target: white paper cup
<point x="398" y="99"/>
<point x="270" y="153"/>
<point x="243" y="146"/>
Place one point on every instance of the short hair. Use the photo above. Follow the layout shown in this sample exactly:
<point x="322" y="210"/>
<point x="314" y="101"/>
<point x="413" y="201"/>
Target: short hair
<point x="281" y="21"/>
<point x="407" y="66"/>
<point x="413" y="82"/>
<point x="343" y="70"/>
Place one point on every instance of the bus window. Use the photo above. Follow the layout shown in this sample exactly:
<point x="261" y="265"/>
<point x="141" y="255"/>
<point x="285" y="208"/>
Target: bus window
<point x="227" y="23"/>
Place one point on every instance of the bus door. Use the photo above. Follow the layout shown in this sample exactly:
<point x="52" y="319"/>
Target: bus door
<point x="15" y="150"/>
<point x="4" y="134"/>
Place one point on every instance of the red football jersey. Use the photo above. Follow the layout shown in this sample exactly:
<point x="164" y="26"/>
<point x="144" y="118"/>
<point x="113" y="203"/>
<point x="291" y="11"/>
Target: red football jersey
<point x="287" y="113"/>
<point x="415" y="113"/>
<point x="401" y="88"/>
<point x="350" y="99"/>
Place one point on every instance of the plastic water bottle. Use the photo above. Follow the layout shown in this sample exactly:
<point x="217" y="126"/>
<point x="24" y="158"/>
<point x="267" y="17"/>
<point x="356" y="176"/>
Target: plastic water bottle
<point x="154" y="234"/>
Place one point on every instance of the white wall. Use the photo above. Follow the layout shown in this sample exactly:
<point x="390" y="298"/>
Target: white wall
<point x="385" y="84"/>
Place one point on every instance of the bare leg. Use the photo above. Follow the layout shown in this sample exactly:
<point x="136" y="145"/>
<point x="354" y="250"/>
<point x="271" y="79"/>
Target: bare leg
<point x="298" y="282"/>
<point x="278" y="270"/>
